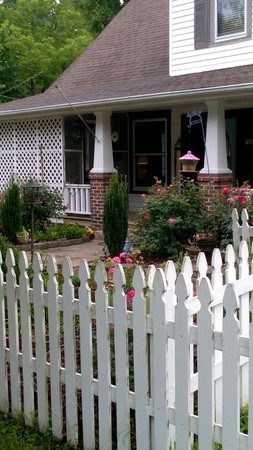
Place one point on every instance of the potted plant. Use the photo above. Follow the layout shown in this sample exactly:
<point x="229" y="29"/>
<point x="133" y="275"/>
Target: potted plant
<point x="22" y="236"/>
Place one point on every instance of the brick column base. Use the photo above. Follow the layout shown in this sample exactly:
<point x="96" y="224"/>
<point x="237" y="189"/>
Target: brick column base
<point x="212" y="183"/>
<point x="98" y="185"/>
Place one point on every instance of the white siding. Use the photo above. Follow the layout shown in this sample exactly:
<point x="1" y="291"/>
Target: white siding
<point x="183" y="56"/>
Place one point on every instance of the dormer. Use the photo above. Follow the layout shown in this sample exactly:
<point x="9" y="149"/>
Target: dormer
<point x="209" y="35"/>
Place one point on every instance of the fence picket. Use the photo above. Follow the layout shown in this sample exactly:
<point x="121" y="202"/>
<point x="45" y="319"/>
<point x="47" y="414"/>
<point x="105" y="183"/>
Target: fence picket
<point x="86" y="354"/>
<point x="26" y="339"/>
<point x="230" y="271"/>
<point x="160" y="390"/>
<point x="40" y="345"/>
<point x="217" y="282"/>
<point x="250" y="399"/>
<point x="13" y="333"/>
<point x="121" y="360"/>
<point x="201" y="266"/>
<point x="54" y="346"/>
<point x="141" y="381"/>
<point x="205" y="367"/>
<point x="4" y="403"/>
<point x="171" y="300"/>
<point x="244" y="318"/>
<point x="231" y="367"/>
<point x="182" y="365"/>
<point x="69" y="352"/>
<point x="103" y="359"/>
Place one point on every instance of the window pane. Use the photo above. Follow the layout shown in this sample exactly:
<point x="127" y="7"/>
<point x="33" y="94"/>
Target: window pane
<point x="230" y="17"/>
<point x="150" y="136"/>
<point x="147" y="167"/>
<point x="73" y="133"/>
<point x="73" y="167"/>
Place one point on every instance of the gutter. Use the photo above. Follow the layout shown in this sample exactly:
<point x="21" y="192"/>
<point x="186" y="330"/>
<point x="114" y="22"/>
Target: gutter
<point x="174" y="97"/>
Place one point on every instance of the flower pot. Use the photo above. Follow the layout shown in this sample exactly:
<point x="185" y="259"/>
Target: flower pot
<point x="22" y="239"/>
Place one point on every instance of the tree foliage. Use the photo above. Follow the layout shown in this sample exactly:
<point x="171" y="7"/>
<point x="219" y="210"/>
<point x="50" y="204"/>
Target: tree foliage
<point x="38" y="41"/>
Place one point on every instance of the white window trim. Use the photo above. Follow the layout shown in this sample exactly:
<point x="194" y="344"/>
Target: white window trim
<point x="229" y="37"/>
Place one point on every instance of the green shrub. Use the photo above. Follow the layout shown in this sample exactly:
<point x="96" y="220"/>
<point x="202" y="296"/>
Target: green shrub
<point x="115" y="217"/>
<point x="11" y="211"/>
<point x="51" y="206"/>
<point x="170" y="218"/>
<point x="225" y="200"/>
<point x="60" y="231"/>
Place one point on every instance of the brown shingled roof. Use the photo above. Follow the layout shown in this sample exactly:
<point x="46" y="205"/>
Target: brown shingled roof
<point x="129" y="58"/>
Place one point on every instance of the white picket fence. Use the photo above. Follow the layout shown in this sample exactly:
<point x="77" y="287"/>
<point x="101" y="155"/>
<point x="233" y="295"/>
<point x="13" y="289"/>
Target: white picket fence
<point x="192" y="355"/>
<point x="242" y="230"/>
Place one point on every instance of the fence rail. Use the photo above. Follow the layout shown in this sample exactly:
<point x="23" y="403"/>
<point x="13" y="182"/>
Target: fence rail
<point x="174" y="365"/>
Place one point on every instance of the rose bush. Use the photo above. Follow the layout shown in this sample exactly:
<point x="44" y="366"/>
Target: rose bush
<point x="226" y="199"/>
<point x="170" y="218"/>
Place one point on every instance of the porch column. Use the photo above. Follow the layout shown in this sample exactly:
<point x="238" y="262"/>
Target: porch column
<point x="103" y="167"/>
<point x="215" y="172"/>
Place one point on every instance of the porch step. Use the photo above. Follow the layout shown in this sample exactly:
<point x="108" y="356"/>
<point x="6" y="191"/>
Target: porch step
<point x="80" y="220"/>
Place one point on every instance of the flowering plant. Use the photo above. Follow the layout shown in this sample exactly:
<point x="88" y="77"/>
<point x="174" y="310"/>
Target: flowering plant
<point x="129" y="262"/>
<point x="225" y="201"/>
<point x="170" y="218"/>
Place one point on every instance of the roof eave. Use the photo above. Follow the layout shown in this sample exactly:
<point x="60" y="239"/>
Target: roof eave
<point x="135" y="101"/>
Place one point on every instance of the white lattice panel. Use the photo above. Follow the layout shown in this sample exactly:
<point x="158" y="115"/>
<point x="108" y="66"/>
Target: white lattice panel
<point x="51" y="156"/>
<point x="32" y="148"/>
<point x="7" y="161"/>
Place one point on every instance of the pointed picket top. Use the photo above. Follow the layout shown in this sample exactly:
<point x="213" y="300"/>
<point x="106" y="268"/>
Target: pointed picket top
<point x="150" y="275"/>
<point x="159" y="283"/>
<point x="100" y="274"/>
<point x="84" y="271"/>
<point x="67" y="270"/>
<point x="216" y="263"/>
<point x="230" y="272"/>
<point x="10" y="260"/>
<point x="52" y="265"/>
<point x="205" y="294"/>
<point x="139" y="281"/>
<point x="235" y="215"/>
<point x="37" y="263"/>
<point x="119" y="278"/>
<point x="230" y="302"/>
<point x="201" y="265"/>
<point x="23" y="262"/>
<point x="170" y="273"/>
<point x="243" y="259"/>
<point x="182" y="288"/>
<point x="245" y="225"/>
<point x="244" y="216"/>
<point x="187" y="267"/>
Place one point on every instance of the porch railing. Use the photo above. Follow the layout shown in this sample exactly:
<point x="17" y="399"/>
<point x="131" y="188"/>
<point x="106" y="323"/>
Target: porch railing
<point x="77" y="198"/>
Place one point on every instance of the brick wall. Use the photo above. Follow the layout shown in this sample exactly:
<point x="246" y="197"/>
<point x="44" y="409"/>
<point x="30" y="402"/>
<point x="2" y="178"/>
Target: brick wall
<point x="98" y="185"/>
<point x="212" y="183"/>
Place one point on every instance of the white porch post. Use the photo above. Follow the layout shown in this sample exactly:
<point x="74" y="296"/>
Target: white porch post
<point x="216" y="152"/>
<point x="103" y="156"/>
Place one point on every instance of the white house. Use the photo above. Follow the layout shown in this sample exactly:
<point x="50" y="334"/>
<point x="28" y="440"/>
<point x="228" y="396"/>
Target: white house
<point x="123" y="104"/>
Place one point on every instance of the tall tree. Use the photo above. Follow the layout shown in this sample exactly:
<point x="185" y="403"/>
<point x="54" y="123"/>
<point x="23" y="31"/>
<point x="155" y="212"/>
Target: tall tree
<point x="100" y="12"/>
<point x="38" y="41"/>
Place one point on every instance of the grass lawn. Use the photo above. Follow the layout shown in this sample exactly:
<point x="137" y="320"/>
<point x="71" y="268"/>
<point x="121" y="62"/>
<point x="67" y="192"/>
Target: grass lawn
<point x="15" y="435"/>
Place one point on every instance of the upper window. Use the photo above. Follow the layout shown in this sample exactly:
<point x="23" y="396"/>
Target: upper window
<point x="217" y="21"/>
<point x="231" y="18"/>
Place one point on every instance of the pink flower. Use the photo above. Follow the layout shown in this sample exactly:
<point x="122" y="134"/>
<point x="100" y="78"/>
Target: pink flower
<point x="116" y="259"/>
<point x="236" y="197"/>
<point x="146" y="216"/>
<point x="171" y="220"/>
<point x="225" y="190"/>
<point x="111" y="271"/>
<point x="142" y="195"/>
<point x="211" y="182"/>
<point x="194" y="294"/>
<point x="130" y="294"/>
<point x="158" y="182"/>
<point x="230" y="199"/>
<point x="129" y="261"/>
<point x="243" y="201"/>
<point x="158" y="190"/>
<point x="122" y="255"/>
